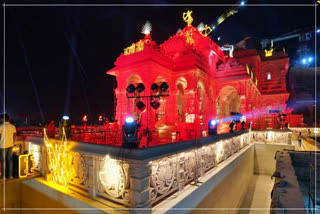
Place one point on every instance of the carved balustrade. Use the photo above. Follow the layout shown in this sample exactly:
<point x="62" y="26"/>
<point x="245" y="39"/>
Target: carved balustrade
<point x="272" y="136"/>
<point x="138" y="177"/>
<point x="142" y="177"/>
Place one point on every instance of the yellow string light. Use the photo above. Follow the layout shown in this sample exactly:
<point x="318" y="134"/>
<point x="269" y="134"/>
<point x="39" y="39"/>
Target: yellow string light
<point x="58" y="159"/>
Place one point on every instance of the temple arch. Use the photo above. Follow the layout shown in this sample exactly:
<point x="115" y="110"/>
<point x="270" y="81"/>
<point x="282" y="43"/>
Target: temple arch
<point x="201" y="96"/>
<point x="228" y="101"/>
<point x="181" y="85"/>
<point x="134" y="79"/>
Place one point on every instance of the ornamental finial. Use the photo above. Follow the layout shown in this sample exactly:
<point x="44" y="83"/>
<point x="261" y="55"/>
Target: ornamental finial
<point x="187" y="17"/>
<point x="146" y="28"/>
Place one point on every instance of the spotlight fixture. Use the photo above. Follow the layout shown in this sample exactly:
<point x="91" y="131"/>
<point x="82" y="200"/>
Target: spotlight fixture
<point x="65" y="117"/>
<point x="140" y="88"/>
<point x="304" y="61"/>
<point x="155" y="104"/>
<point x="131" y="89"/>
<point x="129" y="120"/>
<point x="307" y="60"/>
<point x="242" y="3"/>
<point x="66" y="125"/>
<point x="212" y="127"/>
<point x="155" y="88"/>
<point x="130" y="133"/>
<point x="141" y="106"/>
<point x="164" y="87"/>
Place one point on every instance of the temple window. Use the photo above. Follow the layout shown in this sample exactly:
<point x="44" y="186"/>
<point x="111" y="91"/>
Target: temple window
<point x="268" y="76"/>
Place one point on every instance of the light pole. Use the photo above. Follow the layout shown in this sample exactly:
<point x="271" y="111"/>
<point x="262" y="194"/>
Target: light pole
<point x="157" y="91"/>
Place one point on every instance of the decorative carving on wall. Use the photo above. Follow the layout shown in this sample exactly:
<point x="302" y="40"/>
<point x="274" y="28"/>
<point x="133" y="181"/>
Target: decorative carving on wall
<point x="170" y="172"/>
<point x="78" y="169"/>
<point x="163" y="176"/>
<point x="113" y="180"/>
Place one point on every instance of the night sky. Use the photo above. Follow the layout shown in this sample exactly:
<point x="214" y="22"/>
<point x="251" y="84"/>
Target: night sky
<point x="56" y="57"/>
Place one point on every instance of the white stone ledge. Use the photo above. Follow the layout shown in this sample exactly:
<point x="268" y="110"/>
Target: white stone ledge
<point x="192" y="195"/>
<point x="140" y="155"/>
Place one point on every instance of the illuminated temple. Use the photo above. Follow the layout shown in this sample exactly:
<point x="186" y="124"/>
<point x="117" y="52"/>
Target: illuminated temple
<point x="167" y="95"/>
<point x="205" y="82"/>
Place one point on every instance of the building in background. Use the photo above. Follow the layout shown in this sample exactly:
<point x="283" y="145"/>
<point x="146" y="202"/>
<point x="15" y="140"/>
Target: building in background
<point x="205" y="82"/>
<point x="300" y="46"/>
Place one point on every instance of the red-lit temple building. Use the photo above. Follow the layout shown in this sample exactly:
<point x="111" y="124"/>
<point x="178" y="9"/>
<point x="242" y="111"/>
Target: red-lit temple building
<point x="204" y="81"/>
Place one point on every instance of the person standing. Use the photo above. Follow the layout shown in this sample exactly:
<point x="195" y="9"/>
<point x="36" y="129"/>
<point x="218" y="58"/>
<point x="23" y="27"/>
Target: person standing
<point x="300" y="139"/>
<point x="8" y="134"/>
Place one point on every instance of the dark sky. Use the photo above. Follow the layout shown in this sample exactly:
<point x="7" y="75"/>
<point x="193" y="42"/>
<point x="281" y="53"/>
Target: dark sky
<point x="56" y="57"/>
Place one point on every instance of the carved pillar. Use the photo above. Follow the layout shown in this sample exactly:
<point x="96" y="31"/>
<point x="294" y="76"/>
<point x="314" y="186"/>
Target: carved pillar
<point x="139" y="187"/>
<point x="92" y="179"/>
<point x="171" y="112"/>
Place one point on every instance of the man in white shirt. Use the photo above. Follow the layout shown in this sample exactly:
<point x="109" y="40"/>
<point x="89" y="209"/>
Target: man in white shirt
<point x="7" y="141"/>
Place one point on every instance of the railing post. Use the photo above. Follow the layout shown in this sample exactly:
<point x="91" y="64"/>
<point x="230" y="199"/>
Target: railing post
<point x="44" y="161"/>
<point x="139" y="187"/>
<point x="92" y="179"/>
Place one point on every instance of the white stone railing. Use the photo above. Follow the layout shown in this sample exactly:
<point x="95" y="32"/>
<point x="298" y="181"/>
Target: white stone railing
<point x="173" y="173"/>
<point x="138" y="177"/>
<point x="307" y="131"/>
<point x="280" y="136"/>
<point x="142" y="177"/>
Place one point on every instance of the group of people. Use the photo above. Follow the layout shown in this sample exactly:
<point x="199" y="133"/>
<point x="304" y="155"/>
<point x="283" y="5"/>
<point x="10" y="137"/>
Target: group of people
<point x="8" y="135"/>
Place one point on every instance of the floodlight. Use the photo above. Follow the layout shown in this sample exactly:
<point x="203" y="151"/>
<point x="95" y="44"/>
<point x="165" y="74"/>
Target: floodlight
<point x="130" y="133"/>
<point x="140" y="88"/>
<point x="164" y="87"/>
<point x="65" y="117"/>
<point x="66" y="125"/>
<point x="129" y="120"/>
<point x="155" y="104"/>
<point x="212" y="127"/>
<point x="141" y="106"/>
<point x="131" y="89"/>
<point x="154" y="88"/>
